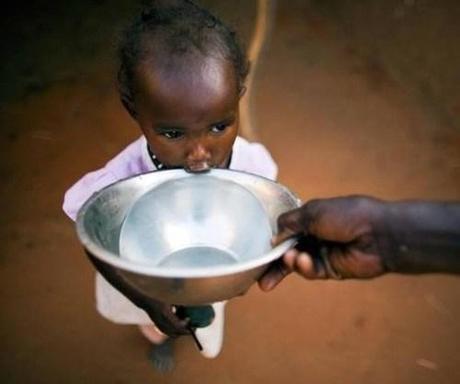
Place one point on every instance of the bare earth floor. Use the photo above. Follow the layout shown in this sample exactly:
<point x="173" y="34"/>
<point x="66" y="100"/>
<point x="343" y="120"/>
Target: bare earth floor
<point x="336" y="122"/>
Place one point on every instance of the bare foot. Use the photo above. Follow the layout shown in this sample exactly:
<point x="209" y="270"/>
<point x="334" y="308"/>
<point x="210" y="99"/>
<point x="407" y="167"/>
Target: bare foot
<point x="162" y="356"/>
<point x="152" y="333"/>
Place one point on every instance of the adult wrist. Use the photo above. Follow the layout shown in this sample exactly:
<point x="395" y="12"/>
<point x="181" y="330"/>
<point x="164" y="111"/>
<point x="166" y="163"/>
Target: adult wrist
<point x="385" y="236"/>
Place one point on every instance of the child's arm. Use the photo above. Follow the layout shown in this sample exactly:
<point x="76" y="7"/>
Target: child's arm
<point x="160" y="313"/>
<point x="82" y="190"/>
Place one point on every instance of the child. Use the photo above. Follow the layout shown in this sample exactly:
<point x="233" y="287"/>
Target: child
<point x="181" y="78"/>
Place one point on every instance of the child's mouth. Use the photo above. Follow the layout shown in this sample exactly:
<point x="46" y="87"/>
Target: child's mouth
<point x="198" y="167"/>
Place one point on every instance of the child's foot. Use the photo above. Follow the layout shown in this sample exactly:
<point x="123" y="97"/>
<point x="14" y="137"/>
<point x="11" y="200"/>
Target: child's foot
<point x="152" y="333"/>
<point x="162" y="356"/>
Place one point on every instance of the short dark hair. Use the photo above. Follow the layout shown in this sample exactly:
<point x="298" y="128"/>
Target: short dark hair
<point x="174" y="29"/>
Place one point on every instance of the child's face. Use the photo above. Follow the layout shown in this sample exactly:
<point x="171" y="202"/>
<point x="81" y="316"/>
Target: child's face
<point x="189" y="116"/>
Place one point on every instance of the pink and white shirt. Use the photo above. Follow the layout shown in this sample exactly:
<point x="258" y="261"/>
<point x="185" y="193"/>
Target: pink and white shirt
<point x="133" y="160"/>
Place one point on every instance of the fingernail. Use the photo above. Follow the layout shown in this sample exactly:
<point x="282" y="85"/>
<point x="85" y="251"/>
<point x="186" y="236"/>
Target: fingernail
<point x="304" y="264"/>
<point x="267" y="285"/>
<point x="291" y="252"/>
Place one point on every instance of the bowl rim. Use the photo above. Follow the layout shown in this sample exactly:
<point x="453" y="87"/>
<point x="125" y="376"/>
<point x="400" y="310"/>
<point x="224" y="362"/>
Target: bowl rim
<point x="203" y="272"/>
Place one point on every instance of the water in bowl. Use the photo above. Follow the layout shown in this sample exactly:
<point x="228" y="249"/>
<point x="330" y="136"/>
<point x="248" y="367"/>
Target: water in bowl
<point x="197" y="257"/>
<point x="195" y="222"/>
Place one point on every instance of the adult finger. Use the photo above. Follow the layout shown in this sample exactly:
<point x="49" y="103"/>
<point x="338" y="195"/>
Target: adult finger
<point x="305" y="266"/>
<point x="277" y="271"/>
<point x="289" y="224"/>
<point x="283" y="235"/>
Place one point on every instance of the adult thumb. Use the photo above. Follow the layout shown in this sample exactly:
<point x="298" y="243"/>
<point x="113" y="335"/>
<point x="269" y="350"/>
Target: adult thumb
<point x="289" y="225"/>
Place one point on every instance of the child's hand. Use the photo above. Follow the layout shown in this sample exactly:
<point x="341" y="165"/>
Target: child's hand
<point x="198" y="316"/>
<point x="165" y="318"/>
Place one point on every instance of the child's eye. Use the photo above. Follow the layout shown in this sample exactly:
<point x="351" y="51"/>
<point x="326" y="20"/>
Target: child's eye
<point x="172" y="135"/>
<point x="219" y="128"/>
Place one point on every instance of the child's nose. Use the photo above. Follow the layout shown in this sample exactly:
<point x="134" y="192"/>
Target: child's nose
<point x="198" y="151"/>
<point x="198" y="157"/>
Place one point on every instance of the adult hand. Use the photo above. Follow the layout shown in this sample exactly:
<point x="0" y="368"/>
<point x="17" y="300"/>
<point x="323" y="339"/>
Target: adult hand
<point x="339" y="238"/>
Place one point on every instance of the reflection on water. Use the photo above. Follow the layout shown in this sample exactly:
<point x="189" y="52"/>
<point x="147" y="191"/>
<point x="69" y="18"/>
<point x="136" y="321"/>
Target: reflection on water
<point x="198" y="257"/>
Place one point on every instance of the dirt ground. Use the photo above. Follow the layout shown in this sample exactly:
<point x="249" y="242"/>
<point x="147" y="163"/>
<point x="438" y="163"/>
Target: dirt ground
<point x="350" y="98"/>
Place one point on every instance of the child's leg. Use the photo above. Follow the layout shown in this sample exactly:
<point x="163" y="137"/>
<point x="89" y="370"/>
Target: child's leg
<point x="112" y="305"/>
<point x="211" y="337"/>
<point x="162" y="352"/>
<point x="152" y="333"/>
<point x="162" y="356"/>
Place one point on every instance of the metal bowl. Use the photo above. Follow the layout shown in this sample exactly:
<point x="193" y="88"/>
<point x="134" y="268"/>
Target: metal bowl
<point x="186" y="239"/>
<point x="195" y="222"/>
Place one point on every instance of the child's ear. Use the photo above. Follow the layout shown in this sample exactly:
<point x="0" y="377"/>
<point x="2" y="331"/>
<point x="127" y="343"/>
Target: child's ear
<point x="128" y="103"/>
<point x="242" y="91"/>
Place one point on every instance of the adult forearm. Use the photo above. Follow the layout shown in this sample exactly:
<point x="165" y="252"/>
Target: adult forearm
<point x="421" y="237"/>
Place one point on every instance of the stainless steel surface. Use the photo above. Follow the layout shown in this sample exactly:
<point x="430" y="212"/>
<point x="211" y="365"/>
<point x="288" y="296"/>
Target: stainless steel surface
<point x="195" y="222"/>
<point x="100" y="223"/>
